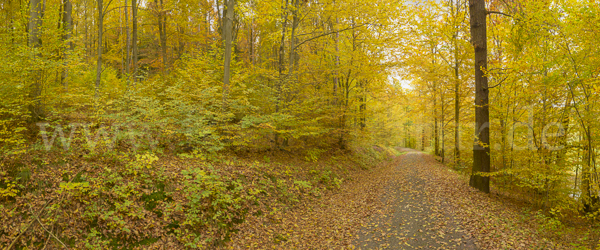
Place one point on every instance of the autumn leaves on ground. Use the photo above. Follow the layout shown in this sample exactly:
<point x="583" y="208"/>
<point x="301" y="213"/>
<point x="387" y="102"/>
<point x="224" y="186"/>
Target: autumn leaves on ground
<point x="409" y="201"/>
<point x="372" y="198"/>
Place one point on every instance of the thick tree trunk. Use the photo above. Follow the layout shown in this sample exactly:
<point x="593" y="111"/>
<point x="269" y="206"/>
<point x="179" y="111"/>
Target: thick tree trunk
<point x="481" y="148"/>
<point x="228" y="35"/>
<point x="35" y="23"/>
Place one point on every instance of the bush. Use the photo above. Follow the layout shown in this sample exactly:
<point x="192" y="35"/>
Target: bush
<point x="215" y="204"/>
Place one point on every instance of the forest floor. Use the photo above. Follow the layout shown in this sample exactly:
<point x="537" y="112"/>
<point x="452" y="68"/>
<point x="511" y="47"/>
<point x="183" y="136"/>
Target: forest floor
<point x="410" y="202"/>
<point x="368" y="198"/>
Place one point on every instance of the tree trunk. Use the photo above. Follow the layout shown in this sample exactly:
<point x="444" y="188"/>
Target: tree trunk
<point x="220" y="19"/>
<point x="99" y="64"/>
<point x="363" y="104"/>
<point x="228" y="35"/>
<point x="251" y="42"/>
<point x="134" y="49"/>
<point x="162" y="32"/>
<point x="119" y="42"/>
<point x="435" y="117"/>
<point x="589" y="194"/>
<point x="481" y="149"/>
<point x="127" y="42"/>
<point x="281" y="64"/>
<point x="455" y="11"/>
<point x="87" y="34"/>
<point x="35" y="23"/>
<point x="292" y="52"/>
<point x="336" y="79"/>
<point x="435" y="125"/>
<point x="443" y="126"/>
<point x="423" y="135"/>
<point x="588" y="197"/>
<point x="456" y="111"/>
<point x="181" y="47"/>
<point x="295" y="21"/>
<point x="10" y="17"/>
<point x="67" y="22"/>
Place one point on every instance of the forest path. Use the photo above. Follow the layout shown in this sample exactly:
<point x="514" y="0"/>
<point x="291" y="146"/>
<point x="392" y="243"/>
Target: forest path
<point x="408" y="202"/>
<point x="419" y="214"/>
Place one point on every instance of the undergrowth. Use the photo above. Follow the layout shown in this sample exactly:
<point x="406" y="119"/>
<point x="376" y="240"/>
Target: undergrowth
<point x="107" y="200"/>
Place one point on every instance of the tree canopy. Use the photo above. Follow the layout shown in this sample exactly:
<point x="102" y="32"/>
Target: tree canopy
<point x="505" y="91"/>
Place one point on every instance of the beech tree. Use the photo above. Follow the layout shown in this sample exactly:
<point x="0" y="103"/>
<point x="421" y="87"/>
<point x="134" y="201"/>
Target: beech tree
<point x="67" y="24"/>
<point x="36" y="12"/>
<point x="100" y="21"/>
<point x="228" y="35"/>
<point x="481" y="148"/>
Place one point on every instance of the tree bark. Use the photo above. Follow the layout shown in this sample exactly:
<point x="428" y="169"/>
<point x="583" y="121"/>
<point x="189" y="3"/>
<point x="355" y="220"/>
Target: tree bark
<point x="295" y="22"/>
<point x="456" y="110"/>
<point x="162" y="32"/>
<point x="127" y="42"/>
<point x="443" y="125"/>
<point x="181" y="47"/>
<point x="251" y="41"/>
<point x="435" y="125"/>
<point x="134" y="31"/>
<point x="481" y="149"/>
<point x="228" y="35"/>
<point x="363" y="104"/>
<point x="336" y="79"/>
<point x="220" y="19"/>
<point x="281" y="64"/>
<point x="99" y="56"/>
<point x="455" y="12"/>
<point x="435" y="117"/>
<point x="86" y="31"/>
<point x="67" y="22"/>
<point x="34" y="26"/>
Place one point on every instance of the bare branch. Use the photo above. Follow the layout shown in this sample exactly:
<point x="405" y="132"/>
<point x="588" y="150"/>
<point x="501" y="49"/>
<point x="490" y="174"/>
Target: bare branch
<point x="498" y="12"/>
<point x="328" y="33"/>
<point x="49" y="232"/>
